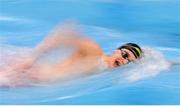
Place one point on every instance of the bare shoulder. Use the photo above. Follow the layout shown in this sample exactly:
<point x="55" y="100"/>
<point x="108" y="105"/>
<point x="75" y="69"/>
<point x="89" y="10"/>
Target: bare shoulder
<point x="88" y="47"/>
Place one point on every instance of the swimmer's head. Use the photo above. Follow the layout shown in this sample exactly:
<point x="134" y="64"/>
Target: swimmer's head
<point x="125" y="54"/>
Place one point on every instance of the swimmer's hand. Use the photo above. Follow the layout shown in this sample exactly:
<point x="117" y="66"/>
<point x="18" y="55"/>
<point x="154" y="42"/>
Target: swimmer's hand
<point x="67" y="35"/>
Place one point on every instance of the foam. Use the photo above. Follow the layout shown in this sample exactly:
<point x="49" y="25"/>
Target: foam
<point x="151" y="64"/>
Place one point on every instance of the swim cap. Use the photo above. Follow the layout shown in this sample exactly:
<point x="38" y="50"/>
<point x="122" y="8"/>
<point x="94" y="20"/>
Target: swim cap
<point x="134" y="48"/>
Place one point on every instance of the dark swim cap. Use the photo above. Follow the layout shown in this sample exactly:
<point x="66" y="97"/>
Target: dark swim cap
<point x="134" y="48"/>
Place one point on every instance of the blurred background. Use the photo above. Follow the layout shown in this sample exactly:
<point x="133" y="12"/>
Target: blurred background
<point x="152" y="23"/>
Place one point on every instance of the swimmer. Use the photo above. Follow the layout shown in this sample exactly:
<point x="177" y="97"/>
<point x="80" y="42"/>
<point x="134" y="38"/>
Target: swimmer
<point x="86" y="58"/>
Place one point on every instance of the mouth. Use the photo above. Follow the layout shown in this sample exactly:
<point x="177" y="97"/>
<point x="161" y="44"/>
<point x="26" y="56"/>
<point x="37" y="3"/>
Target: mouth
<point x="117" y="63"/>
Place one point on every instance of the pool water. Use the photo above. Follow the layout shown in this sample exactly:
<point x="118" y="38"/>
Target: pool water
<point x="154" y="24"/>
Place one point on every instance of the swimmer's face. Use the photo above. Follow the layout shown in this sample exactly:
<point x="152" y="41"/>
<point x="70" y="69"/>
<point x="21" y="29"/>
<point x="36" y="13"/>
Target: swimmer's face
<point x="120" y="57"/>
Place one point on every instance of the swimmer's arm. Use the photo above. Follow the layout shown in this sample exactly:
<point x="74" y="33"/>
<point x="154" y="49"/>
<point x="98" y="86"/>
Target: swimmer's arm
<point x="87" y="47"/>
<point x="83" y="45"/>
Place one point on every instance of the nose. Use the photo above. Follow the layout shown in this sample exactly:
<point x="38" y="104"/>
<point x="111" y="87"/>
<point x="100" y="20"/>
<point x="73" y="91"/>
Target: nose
<point x="123" y="61"/>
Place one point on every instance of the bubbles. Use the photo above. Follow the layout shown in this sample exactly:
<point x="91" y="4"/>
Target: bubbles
<point x="151" y="64"/>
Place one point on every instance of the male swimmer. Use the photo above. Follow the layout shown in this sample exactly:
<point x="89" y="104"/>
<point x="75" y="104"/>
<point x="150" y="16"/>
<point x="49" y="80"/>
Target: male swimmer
<point x="86" y="58"/>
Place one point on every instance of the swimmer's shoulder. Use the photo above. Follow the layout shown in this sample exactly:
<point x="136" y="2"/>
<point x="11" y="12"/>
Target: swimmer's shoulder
<point x="89" y="48"/>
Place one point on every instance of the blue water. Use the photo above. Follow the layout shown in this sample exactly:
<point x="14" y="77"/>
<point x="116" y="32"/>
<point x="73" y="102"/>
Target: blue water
<point x="154" y="24"/>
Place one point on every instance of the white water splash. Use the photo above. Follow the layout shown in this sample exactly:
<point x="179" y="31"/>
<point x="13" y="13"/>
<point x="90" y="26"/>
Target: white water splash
<point x="152" y="63"/>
